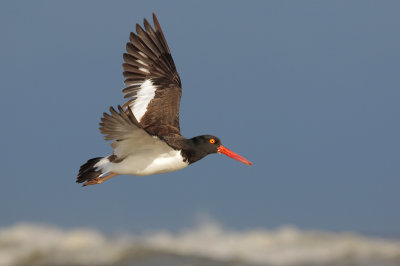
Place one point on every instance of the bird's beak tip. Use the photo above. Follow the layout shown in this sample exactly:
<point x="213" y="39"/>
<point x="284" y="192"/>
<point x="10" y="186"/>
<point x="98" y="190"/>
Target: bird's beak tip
<point x="227" y="152"/>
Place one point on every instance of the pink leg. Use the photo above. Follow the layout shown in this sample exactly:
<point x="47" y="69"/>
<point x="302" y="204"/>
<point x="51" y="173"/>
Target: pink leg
<point x="98" y="180"/>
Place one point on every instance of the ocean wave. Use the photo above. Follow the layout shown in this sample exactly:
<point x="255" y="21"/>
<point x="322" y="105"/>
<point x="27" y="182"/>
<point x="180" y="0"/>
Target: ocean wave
<point x="34" y="244"/>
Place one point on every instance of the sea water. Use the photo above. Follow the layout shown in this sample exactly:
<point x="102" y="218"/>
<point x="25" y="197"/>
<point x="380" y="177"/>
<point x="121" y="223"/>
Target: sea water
<point x="206" y="245"/>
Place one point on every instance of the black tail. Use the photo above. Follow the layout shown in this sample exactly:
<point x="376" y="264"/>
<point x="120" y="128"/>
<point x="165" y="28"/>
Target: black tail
<point x="87" y="171"/>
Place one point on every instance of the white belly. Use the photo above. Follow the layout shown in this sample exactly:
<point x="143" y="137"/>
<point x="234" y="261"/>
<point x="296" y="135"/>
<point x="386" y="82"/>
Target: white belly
<point x="149" y="163"/>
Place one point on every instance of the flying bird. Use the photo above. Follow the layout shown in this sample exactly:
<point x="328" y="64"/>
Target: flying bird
<point x="145" y="130"/>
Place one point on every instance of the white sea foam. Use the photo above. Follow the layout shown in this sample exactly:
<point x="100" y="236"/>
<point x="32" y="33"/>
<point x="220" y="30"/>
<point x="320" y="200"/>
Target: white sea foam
<point x="32" y="244"/>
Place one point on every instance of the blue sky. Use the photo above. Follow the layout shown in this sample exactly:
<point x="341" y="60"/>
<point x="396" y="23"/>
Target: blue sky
<point x="308" y="91"/>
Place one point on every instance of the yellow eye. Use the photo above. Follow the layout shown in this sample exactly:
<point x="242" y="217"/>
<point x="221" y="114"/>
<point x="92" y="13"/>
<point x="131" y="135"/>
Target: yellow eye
<point x="212" y="141"/>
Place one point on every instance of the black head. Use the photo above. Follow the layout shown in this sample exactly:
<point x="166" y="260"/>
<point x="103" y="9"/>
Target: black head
<point x="200" y="146"/>
<point x="206" y="143"/>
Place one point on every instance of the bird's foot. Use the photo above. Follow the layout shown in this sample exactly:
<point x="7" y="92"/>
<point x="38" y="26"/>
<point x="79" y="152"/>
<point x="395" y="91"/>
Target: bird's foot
<point x="95" y="181"/>
<point x="98" y="180"/>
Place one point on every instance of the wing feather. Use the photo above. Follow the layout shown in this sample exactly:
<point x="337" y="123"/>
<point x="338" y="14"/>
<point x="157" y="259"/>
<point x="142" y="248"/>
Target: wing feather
<point x="118" y="126"/>
<point x="128" y="135"/>
<point x="153" y="86"/>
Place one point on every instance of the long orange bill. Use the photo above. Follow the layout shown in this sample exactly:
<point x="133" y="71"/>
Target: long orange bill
<point x="227" y="152"/>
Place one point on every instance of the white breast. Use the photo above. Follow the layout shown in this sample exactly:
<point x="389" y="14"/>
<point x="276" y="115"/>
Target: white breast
<point x="150" y="163"/>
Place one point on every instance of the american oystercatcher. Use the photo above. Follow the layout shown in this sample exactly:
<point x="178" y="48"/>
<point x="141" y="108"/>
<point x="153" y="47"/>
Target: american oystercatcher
<point x="145" y="130"/>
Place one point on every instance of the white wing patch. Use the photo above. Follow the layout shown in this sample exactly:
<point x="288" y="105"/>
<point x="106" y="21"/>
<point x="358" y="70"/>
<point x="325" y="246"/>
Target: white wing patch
<point x="144" y="95"/>
<point x="141" y="62"/>
<point x="144" y="69"/>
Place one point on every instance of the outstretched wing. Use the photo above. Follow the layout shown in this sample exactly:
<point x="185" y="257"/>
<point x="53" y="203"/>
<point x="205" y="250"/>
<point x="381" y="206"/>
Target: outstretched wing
<point x="152" y="83"/>
<point x="128" y="135"/>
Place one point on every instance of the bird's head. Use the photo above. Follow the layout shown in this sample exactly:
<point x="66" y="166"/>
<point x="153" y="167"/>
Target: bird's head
<point x="207" y="144"/>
